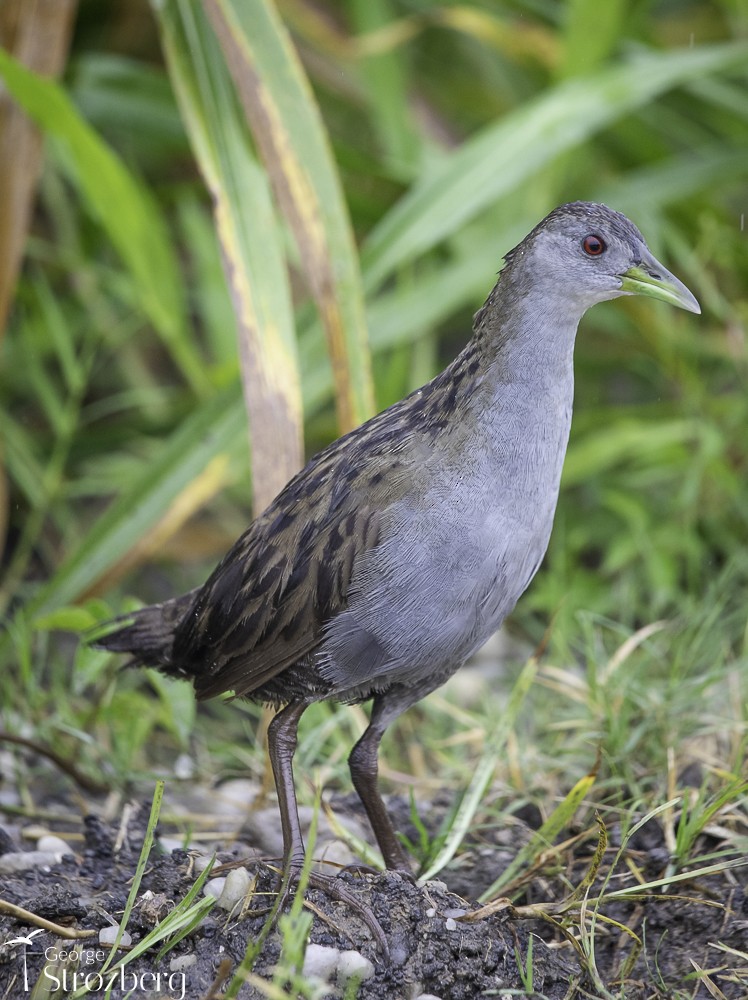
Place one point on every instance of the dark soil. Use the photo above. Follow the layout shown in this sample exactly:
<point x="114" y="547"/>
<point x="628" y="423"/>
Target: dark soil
<point x="433" y="950"/>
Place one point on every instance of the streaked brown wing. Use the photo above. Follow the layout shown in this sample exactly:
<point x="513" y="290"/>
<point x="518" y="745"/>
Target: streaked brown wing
<point x="265" y="606"/>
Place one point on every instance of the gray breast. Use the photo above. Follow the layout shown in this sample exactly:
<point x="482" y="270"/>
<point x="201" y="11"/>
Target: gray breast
<point x="451" y="565"/>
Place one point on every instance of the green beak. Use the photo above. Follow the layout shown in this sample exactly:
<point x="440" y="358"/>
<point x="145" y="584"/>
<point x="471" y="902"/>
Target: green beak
<point x="649" y="277"/>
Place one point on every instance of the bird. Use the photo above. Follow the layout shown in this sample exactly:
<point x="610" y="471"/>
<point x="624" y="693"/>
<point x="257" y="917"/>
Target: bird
<point x="400" y="548"/>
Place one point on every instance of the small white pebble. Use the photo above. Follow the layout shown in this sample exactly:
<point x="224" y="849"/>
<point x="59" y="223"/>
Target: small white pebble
<point x="237" y="794"/>
<point x="201" y="862"/>
<point x="455" y="911"/>
<point x="399" y="955"/>
<point x="427" y="996"/>
<point x="169" y="844"/>
<point x="235" y="888"/>
<point x="20" y="861"/>
<point x="214" y="887"/>
<point x="320" y="962"/>
<point x="436" y="884"/>
<point x="53" y="845"/>
<point x="431" y="912"/>
<point x="334" y="852"/>
<point x="184" y="767"/>
<point x="353" y="963"/>
<point x="108" y="935"/>
<point x="181" y="962"/>
<point x="450" y="924"/>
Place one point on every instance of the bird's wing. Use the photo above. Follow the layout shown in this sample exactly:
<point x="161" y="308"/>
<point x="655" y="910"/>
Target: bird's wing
<point x="265" y="610"/>
<point x="266" y="605"/>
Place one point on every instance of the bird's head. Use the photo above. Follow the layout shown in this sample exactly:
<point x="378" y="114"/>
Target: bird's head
<point x="592" y="253"/>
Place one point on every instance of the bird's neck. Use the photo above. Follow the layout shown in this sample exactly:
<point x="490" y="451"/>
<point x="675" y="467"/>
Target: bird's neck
<point x="523" y="344"/>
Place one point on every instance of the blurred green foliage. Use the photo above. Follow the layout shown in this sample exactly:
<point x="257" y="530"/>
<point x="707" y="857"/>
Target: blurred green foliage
<point x="455" y="128"/>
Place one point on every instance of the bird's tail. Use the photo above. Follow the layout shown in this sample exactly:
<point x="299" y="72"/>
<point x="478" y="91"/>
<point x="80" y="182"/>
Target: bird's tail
<point x="147" y="634"/>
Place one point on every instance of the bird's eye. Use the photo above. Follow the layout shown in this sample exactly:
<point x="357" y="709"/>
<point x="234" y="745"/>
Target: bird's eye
<point x="593" y="245"/>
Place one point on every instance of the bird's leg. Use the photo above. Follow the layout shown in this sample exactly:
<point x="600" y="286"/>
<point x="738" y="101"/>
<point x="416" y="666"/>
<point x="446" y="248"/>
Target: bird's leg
<point x="282" y="739"/>
<point x="363" y="763"/>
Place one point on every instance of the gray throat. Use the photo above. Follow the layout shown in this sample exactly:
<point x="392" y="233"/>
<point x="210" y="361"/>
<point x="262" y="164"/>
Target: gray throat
<point x="519" y="391"/>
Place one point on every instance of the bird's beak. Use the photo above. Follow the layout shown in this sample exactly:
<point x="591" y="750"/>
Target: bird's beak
<point x="649" y="277"/>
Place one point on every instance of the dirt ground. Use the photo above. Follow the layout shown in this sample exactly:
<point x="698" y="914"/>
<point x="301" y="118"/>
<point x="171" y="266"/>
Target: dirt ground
<point x="434" y="951"/>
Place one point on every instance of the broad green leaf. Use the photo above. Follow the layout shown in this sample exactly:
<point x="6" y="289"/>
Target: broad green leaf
<point x="179" y="705"/>
<point x="385" y="78"/>
<point x="625" y="438"/>
<point x="121" y="204"/>
<point x="501" y="158"/>
<point x="251" y="244"/>
<point x="291" y="137"/>
<point x="674" y="178"/>
<point x="67" y="619"/>
<point x="209" y="293"/>
<point x="124" y="95"/>
<point x="591" y="32"/>
<point x="211" y="429"/>
<point x="22" y="460"/>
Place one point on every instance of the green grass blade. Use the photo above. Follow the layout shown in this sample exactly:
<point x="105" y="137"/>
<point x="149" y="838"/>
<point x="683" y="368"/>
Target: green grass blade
<point x="150" y="833"/>
<point x="501" y="158"/>
<point x="251" y="243"/>
<point x="188" y="914"/>
<point x="293" y="142"/>
<point x="663" y="883"/>
<point x="542" y="838"/>
<point x="120" y="203"/>
<point x="484" y="772"/>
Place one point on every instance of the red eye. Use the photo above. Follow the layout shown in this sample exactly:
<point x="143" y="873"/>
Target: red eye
<point x="593" y="245"/>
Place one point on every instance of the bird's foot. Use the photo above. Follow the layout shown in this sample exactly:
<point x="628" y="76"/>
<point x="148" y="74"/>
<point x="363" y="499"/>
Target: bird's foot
<point x="357" y="868"/>
<point x="336" y="890"/>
